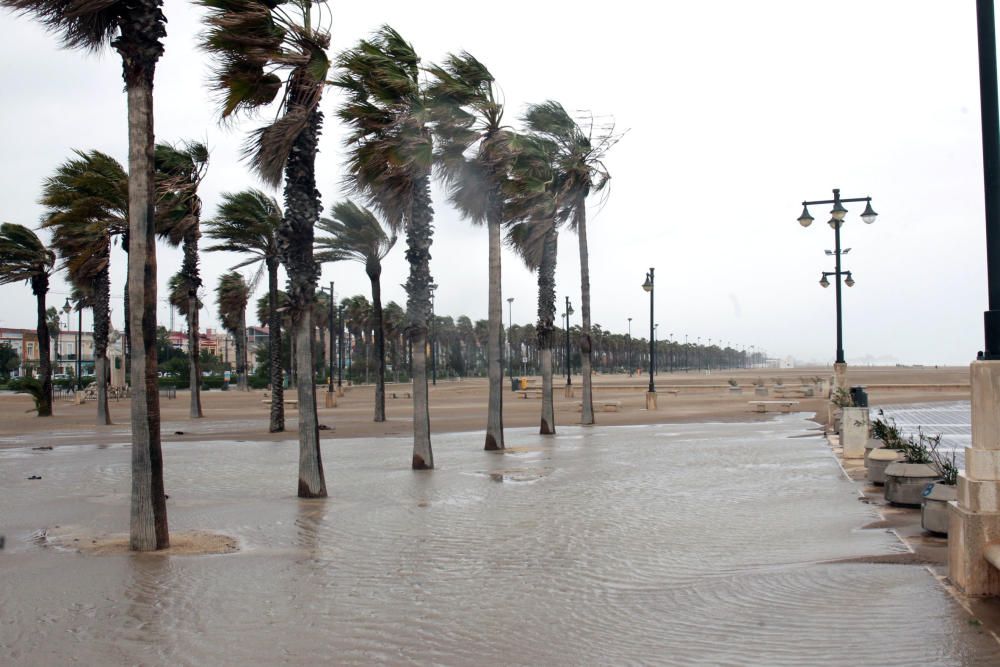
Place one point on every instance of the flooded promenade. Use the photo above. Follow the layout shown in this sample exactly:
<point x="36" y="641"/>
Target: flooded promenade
<point x="728" y="544"/>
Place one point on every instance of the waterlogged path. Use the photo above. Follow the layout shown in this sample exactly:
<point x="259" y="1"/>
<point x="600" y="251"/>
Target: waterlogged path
<point x="675" y="544"/>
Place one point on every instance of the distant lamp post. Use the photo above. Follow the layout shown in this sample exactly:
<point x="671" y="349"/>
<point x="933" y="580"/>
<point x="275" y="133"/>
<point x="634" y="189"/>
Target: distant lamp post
<point x="651" y="392"/>
<point x="837" y="215"/>
<point x="628" y="342"/>
<point x="434" y="368"/>
<point x="510" y="345"/>
<point x="340" y="350"/>
<point x="569" y="365"/>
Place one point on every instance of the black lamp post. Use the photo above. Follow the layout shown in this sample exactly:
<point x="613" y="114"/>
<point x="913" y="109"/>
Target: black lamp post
<point x="66" y="309"/>
<point x="569" y="364"/>
<point x="838" y="213"/>
<point x="434" y="368"/>
<point x="330" y="310"/>
<point x="510" y="345"/>
<point x="648" y="286"/>
<point x="340" y="349"/>
<point x="990" y="114"/>
<point x="628" y="341"/>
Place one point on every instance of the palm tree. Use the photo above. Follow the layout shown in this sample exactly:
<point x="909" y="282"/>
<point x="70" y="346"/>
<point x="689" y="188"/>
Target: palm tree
<point x="87" y="208"/>
<point x="579" y="161"/>
<point x="254" y="40"/>
<point x="475" y="153"/>
<point x="135" y="29"/>
<point x="389" y="165"/>
<point x="179" y="172"/>
<point x="247" y="222"/>
<point x="394" y="322"/>
<point x="180" y="299"/>
<point x="356" y="234"/>
<point x="534" y="236"/>
<point x="23" y="256"/>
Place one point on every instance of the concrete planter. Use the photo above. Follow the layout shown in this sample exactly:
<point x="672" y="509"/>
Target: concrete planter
<point x="934" y="509"/>
<point x="905" y="482"/>
<point x="736" y="390"/>
<point x="760" y="391"/>
<point x="872" y="445"/>
<point x="878" y="461"/>
<point x="854" y="432"/>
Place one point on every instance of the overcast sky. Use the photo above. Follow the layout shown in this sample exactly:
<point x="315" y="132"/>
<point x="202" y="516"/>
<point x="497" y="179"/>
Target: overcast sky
<point x="735" y="112"/>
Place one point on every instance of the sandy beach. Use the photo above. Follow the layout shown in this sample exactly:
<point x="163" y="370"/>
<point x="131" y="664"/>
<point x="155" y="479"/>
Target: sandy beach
<point x="460" y="406"/>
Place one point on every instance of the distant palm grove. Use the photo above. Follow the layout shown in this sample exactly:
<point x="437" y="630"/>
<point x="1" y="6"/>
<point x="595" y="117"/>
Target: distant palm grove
<point x="524" y="180"/>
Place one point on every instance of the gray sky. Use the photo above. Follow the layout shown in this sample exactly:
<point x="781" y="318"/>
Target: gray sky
<point x="735" y="111"/>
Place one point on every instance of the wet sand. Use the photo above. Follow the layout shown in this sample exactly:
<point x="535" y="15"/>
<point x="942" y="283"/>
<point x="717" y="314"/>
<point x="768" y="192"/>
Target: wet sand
<point x="460" y="406"/>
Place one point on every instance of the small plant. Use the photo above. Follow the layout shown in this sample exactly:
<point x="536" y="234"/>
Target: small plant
<point x="885" y="429"/>
<point x="30" y="386"/>
<point x="733" y="383"/>
<point x="759" y="382"/>
<point x="776" y="382"/>
<point x="842" y="398"/>
<point x="945" y="463"/>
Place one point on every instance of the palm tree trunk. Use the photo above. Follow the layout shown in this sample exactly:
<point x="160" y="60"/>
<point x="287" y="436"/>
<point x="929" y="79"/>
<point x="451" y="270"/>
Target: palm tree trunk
<point x="243" y="383"/>
<point x="587" y="412"/>
<point x="102" y="326"/>
<point x="494" y="418"/>
<point x="373" y="276"/>
<point x="274" y="348"/>
<point x="419" y="236"/>
<point x="189" y="270"/>
<point x="295" y="243"/>
<point x="40" y="286"/>
<point x="148" y="529"/>
<point x="194" y="351"/>
<point x="546" y="325"/>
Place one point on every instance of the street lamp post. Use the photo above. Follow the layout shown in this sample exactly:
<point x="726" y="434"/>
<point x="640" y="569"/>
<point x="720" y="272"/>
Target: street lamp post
<point x="651" y="392"/>
<point x="837" y="215"/>
<point x="628" y="342"/>
<point x="340" y="350"/>
<point x="569" y="363"/>
<point x="434" y="368"/>
<point x="66" y="309"/>
<point x="510" y="346"/>
<point x="656" y="338"/>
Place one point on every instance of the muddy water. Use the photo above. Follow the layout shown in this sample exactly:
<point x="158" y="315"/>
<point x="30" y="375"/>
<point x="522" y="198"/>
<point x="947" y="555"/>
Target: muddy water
<point x="679" y="544"/>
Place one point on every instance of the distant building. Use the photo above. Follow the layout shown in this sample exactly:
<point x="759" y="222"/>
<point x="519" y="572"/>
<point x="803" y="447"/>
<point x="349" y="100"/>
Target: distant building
<point x="63" y="350"/>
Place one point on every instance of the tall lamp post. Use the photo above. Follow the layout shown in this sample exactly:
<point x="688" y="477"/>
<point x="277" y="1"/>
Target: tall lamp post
<point x="651" y="392"/>
<point x="837" y="215"/>
<point x="974" y="520"/>
<point x="66" y="309"/>
<point x="628" y="343"/>
<point x="510" y="346"/>
<point x="340" y="351"/>
<point x="331" y="400"/>
<point x="569" y="363"/>
<point x="434" y="367"/>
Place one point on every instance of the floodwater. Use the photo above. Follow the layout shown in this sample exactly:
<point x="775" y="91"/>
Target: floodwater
<point x="677" y="544"/>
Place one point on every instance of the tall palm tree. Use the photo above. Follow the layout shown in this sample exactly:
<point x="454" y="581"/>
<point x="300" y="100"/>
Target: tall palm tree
<point x="253" y="41"/>
<point x="180" y="299"/>
<point x="475" y="152"/>
<point x="389" y="165"/>
<point x="579" y="160"/>
<point x="179" y="172"/>
<point x="394" y="322"/>
<point x="23" y="256"/>
<point x="247" y="222"/>
<point x="87" y="208"/>
<point x="134" y="28"/>
<point x="356" y="234"/>
<point x="534" y="236"/>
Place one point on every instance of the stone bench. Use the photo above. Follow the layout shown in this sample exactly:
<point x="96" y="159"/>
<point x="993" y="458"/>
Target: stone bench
<point x="761" y="406"/>
<point x="291" y="402"/>
<point x="400" y="394"/>
<point x="530" y="393"/>
<point x="603" y="406"/>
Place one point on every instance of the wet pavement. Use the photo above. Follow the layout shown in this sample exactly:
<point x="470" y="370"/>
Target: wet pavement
<point x="674" y="544"/>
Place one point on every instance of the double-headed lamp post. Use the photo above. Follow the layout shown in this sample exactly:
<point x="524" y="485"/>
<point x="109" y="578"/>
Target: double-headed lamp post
<point x="510" y="346"/>
<point x="837" y="215"/>
<point x="651" y="392"/>
<point x="569" y="365"/>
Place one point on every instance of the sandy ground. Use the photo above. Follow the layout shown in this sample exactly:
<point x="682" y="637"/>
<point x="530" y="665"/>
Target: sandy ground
<point x="460" y="406"/>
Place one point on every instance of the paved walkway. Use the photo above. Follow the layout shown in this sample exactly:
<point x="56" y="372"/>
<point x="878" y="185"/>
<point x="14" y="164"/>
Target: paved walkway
<point x="714" y="544"/>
